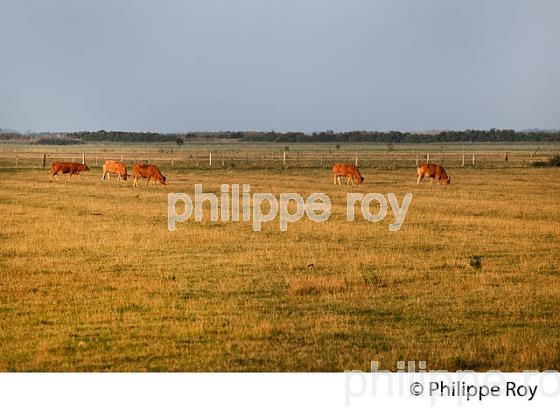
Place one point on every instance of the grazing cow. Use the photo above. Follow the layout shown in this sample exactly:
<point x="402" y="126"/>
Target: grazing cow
<point x="347" y="170"/>
<point x="147" y="171"/>
<point x="72" y="168"/>
<point x="114" y="167"/>
<point x="434" y="171"/>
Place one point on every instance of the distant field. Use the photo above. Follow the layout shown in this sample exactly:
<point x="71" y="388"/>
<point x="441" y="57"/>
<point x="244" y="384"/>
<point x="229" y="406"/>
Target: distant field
<point x="225" y="145"/>
<point x="228" y="154"/>
<point x="91" y="279"/>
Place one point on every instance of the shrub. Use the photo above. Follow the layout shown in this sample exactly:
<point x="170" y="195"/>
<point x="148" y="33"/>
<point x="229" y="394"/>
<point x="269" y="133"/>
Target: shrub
<point x="552" y="162"/>
<point x="475" y="261"/>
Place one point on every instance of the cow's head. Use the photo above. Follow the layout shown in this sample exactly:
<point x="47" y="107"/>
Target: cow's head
<point x="447" y="181"/>
<point x="162" y="180"/>
<point x="85" y="168"/>
<point x="358" y="179"/>
<point x="125" y="176"/>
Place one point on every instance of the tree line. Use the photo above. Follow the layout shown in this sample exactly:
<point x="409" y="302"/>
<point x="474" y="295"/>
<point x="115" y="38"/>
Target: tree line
<point x="493" y="135"/>
<point x="386" y="137"/>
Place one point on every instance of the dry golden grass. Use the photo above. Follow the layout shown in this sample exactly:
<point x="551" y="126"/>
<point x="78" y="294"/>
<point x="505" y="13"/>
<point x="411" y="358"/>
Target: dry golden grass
<point x="91" y="279"/>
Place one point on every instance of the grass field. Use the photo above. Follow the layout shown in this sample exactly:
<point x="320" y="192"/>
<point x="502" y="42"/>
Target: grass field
<point x="91" y="279"/>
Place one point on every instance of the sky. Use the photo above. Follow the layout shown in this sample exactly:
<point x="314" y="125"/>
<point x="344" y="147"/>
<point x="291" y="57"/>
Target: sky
<point x="284" y="65"/>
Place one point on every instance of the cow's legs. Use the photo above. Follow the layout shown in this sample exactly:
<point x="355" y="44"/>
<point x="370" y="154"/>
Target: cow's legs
<point x="135" y="183"/>
<point x="335" y="178"/>
<point x="419" y="179"/>
<point x="432" y="182"/>
<point x="148" y="181"/>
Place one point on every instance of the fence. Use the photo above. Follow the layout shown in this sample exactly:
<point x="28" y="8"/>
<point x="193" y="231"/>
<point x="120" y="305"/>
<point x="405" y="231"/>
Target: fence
<point x="282" y="159"/>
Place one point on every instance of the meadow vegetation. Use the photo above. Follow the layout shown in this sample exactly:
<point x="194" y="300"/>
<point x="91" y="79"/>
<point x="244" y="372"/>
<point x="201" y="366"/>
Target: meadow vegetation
<point x="91" y="279"/>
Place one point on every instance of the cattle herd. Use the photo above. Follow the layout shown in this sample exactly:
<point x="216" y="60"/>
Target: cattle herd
<point x="352" y="173"/>
<point x="148" y="171"/>
<point x="152" y="172"/>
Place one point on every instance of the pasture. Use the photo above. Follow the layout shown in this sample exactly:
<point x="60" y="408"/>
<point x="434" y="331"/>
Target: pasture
<point x="91" y="279"/>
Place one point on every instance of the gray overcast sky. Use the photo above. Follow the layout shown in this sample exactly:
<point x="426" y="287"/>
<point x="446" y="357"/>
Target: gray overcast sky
<point x="279" y="64"/>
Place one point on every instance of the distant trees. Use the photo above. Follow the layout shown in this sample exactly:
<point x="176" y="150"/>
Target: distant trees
<point x="122" y="136"/>
<point x="12" y="136"/>
<point x="382" y="137"/>
<point x="392" y="137"/>
<point x="57" y="141"/>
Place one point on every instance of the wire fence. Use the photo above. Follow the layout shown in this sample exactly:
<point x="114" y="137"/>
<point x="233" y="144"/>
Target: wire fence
<point x="282" y="159"/>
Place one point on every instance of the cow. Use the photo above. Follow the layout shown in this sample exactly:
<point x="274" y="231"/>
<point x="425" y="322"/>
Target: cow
<point x="114" y="167"/>
<point x="434" y="171"/>
<point x="72" y="168"/>
<point x="147" y="171"/>
<point x="347" y="170"/>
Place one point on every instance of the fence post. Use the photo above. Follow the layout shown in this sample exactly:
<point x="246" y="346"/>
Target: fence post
<point x="417" y="160"/>
<point x="44" y="161"/>
<point x="83" y="158"/>
<point x="172" y="161"/>
<point x="321" y="160"/>
<point x="210" y="159"/>
<point x="428" y="158"/>
<point x="506" y="159"/>
<point x="17" y="161"/>
<point x="463" y="164"/>
<point x="223" y="160"/>
<point x="473" y="160"/>
<point x="356" y="162"/>
<point x="121" y="157"/>
<point x="95" y="161"/>
<point x="284" y="159"/>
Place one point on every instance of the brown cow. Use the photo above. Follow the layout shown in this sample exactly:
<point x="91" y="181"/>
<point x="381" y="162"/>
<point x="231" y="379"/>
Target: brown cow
<point x="347" y="170"/>
<point x="147" y="171"/>
<point x="72" y="168"/>
<point x="434" y="171"/>
<point x="114" y="167"/>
